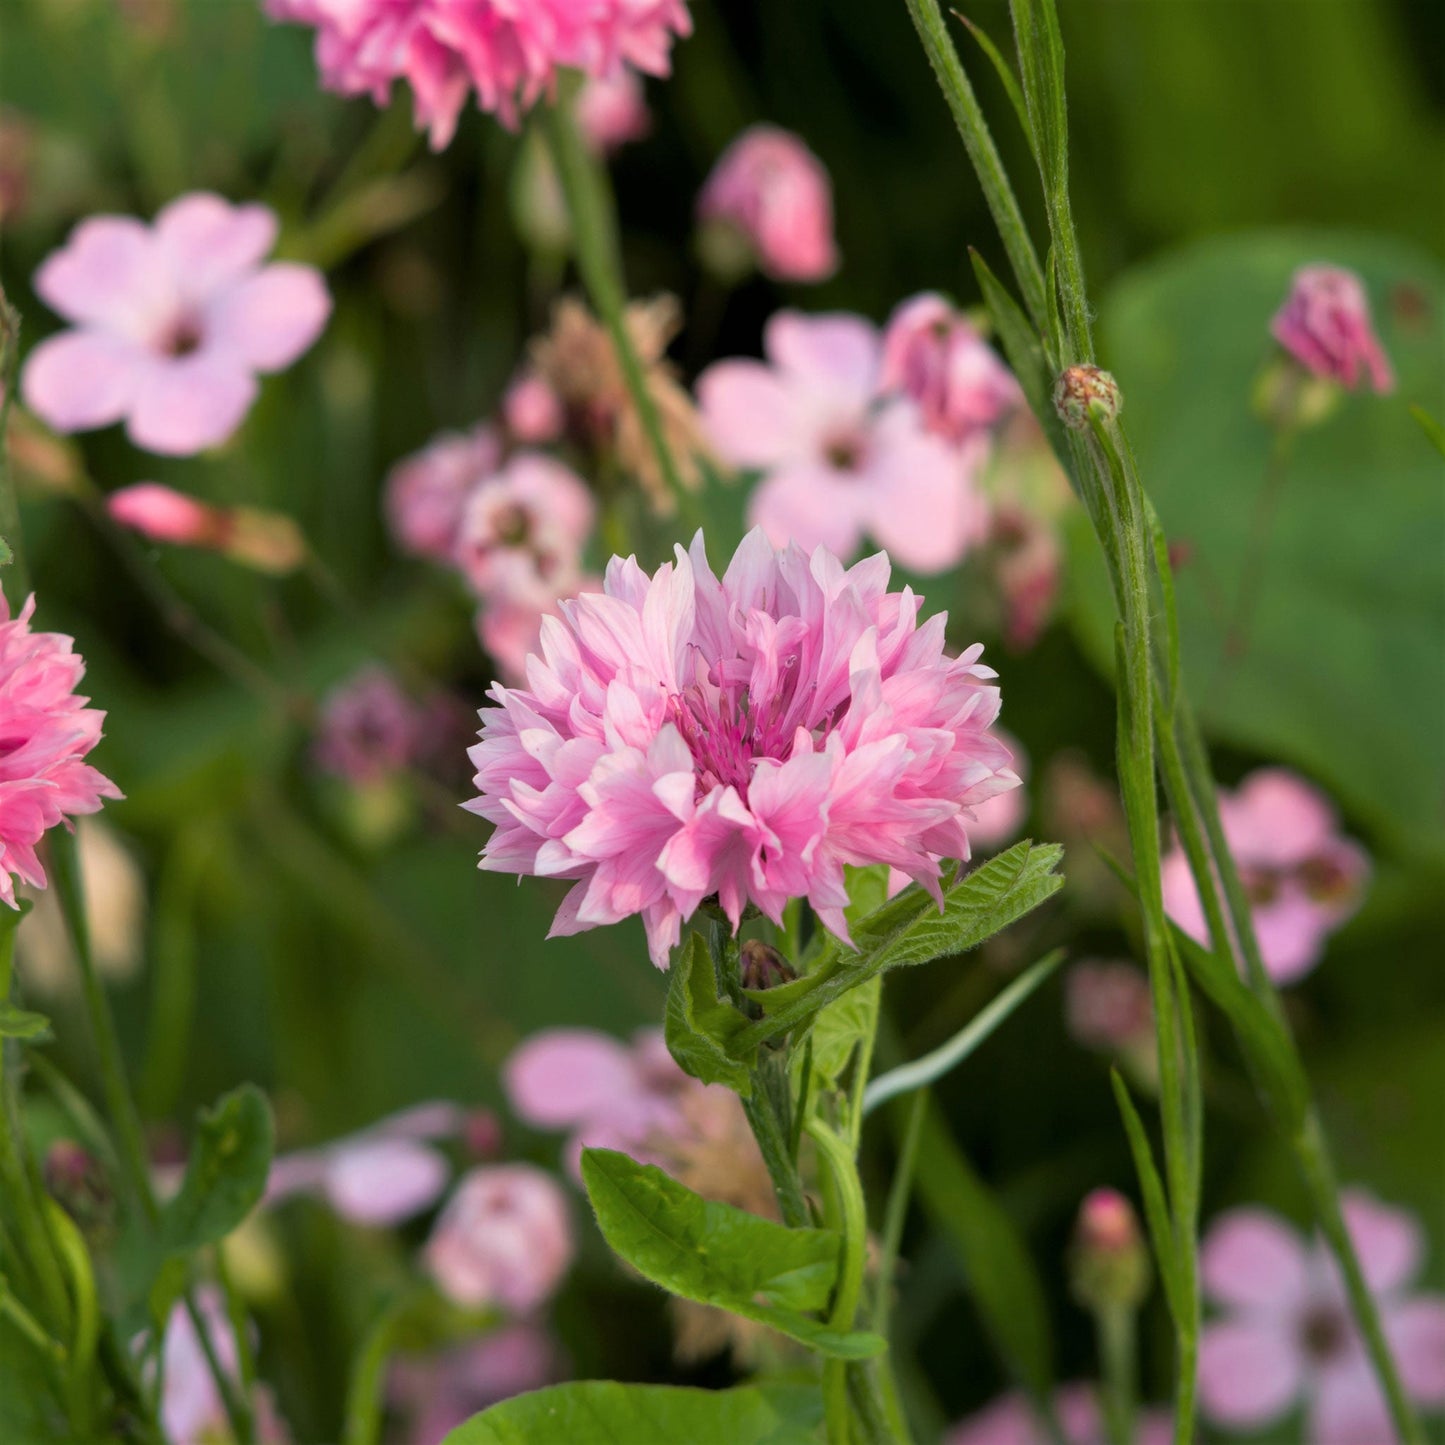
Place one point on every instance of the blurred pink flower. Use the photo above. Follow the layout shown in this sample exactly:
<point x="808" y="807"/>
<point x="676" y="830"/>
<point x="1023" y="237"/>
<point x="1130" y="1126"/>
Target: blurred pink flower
<point x="46" y="731"/>
<point x="441" y="1391"/>
<point x="681" y="737"/>
<point x="369" y="728"/>
<point x="837" y="463"/>
<point x="426" y="493"/>
<point x="932" y="353"/>
<point x="380" y="1176"/>
<point x="1011" y="1420"/>
<point x="531" y="410"/>
<point x="508" y="53"/>
<point x="268" y="541"/>
<point x="1029" y="566"/>
<point x="1287" y="1333"/>
<point x="172" y="323"/>
<point x="1303" y="878"/>
<point x="612" y="110"/>
<point x="1108" y="1007"/>
<point x="504" y="1238"/>
<point x="775" y="192"/>
<point x="1325" y="324"/>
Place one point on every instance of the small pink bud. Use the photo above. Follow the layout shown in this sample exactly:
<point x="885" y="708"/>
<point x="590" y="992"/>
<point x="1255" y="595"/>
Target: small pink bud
<point x="265" y="541"/>
<point x="531" y="410"/>
<point x="1081" y="388"/>
<point x="612" y="110"/>
<point x="1325" y="324"/>
<point x="1109" y="1261"/>
<point x="79" y="1184"/>
<point x="482" y="1134"/>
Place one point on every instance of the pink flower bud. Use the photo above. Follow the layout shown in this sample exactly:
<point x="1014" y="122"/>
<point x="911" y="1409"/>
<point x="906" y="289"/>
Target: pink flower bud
<point x="531" y="410"/>
<point x="266" y="541"/>
<point x="1081" y="388"/>
<point x="1325" y="324"/>
<point x="611" y="110"/>
<point x="1109" y="1263"/>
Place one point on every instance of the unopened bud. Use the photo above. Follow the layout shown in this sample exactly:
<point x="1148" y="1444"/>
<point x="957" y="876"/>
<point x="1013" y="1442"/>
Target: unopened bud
<point x="267" y="541"/>
<point x="482" y="1134"/>
<point x="763" y="966"/>
<point x="1109" y="1262"/>
<point x="78" y="1183"/>
<point x="1082" y="388"/>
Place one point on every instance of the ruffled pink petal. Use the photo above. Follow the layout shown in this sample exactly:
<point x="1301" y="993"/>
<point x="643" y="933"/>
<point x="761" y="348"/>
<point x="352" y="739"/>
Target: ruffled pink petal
<point x="82" y="379"/>
<point x="1252" y="1261"/>
<point x="1250" y="1372"/>
<point x="209" y="243"/>
<point x="108" y="274"/>
<point x="383" y="1181"/>
<point x="560" y="1077"/>
<point x="1389" y="1242"/>
<point x="185" y="405"/>
<point x="271" y="318"/>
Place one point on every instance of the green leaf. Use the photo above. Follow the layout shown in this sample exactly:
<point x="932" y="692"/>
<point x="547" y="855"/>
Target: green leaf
<point x="6" y="555"/>
<point x="1021" y="346"/>
<point x="1430" y="427"/>
<point x="1007" y="78"/>
<point x="19" y="1023"/>
<point x="699" y="1026"/>
<point x="604" y="1412"/>
<point x="1151" y="1187"/>
<point x="718" y="1255"/>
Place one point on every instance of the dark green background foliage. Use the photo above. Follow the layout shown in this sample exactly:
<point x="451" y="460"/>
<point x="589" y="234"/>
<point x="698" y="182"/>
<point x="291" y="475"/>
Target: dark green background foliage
<point x="349" y="976"/>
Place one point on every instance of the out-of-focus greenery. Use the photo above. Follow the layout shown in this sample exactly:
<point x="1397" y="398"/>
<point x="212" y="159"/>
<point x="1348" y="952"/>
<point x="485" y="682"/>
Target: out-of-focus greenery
<point x="350" y="971"/>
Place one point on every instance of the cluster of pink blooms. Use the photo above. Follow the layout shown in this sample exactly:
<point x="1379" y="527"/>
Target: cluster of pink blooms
<point x="1012" y="1420"/>
<point x="46" y="732"/>
<point x="1286" y="1334"/>
<point x="504" y="53"/>
<point x="172" y="323"/>
<point x="773" y="195"/>
<point x="860" y="433"/>
<point x="1303" y="878"/>
<point x="1325" y="324"/>
<point x="682" y="737"/>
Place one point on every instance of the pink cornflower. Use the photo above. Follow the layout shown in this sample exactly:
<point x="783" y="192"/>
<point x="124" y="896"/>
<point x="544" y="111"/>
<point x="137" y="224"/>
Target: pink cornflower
<point x="770" y="190"/>
<point x="1303" y="878"/>
<point x="380" y="1176"/>
<point x="612" y="110"/>
<point x="837" y="462"/>
<point x="932" y="353"/>
<point x="173" y="321"/>
<point x="426" y="493"/>
<point x="46" y="731"/>
<point x="1011" y="1420"/>
<point x="1287" y="1333"/>
<point x="369" y="730"/>
<point x="508" y="54"/>
<point x="504" y="1238"/>
<point x="682" y="737"/>
<point x="1325" y="324"/>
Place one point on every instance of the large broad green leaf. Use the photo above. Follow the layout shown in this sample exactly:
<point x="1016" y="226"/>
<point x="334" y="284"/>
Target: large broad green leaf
<point x="1341" y="672"/>
<point x="719" y="1255"/>
<point x="603" y="1412"/>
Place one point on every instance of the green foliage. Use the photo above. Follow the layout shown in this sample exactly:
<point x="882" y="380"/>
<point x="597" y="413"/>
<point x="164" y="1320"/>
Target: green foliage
<point x="24" y="1024"/>
<point x="698" y="1025"/>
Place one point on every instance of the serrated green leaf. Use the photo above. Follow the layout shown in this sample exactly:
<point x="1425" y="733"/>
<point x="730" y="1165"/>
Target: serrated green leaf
<point x="718" y="1255"/>
<point x="19" y="1023"/>
<point x="604" y="1412"/>
<point x="698" y="1025"/>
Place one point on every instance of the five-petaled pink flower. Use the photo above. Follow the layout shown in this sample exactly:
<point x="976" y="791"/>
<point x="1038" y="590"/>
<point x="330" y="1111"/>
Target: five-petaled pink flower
<point x="1325" y="324"/>
<point x="771" y="190"/>
<point x="1303" y="878"/>
<point x="426" y="493"/>
<point x="1011" y="1420"/>
<point x="508" y="54"/>
<point x="46" y="731"/>
<point x="1287" y="1334"/>
<point x="172" y="323"/>
<point x="838" y="461"/>
<point x="682" y="737"/>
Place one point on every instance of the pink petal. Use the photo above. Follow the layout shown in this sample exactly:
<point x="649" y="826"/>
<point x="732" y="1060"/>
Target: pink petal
<point x="1416" y="1331"/>
<point x="835" y="352"/>
<point x="809" y="506"/>
<point x="1249" y="1372"/>
<point x="1291" y="933"/>
<point x="1279" y="818"/>
<point x="1348" y="1408"/>
<point x="81" y="379"/>
<point x="562" y="1076"/>
<point x="271" y="318"/>
<point x="1251" y="1260"/>
<point x="209" y="242"/>
<point x="109" y="274"/>
<point x="190" y="403"/>
<point x="1389" y="1241"/>
<point x="384" y="1181"/>
<point x="749" y="414"/>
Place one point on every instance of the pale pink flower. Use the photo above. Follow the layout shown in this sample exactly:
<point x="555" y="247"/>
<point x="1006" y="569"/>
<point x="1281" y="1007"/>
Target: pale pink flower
<point x="267" y="541"/>
<point x="1108" y="1008"/>
<point x="381" y="1176"/>
<point x="1287" y="1334"/>
<point x="531" y="410"/>
<point x="426" y="493"/>
<point x="46" y="731"/>
<point x="173" y="321"/>
<point x="838" y="463"/>
<point x="504" y="1238"/>
<point x="612" y="110"/>
<point x="932" y="353"/>
<point x="772" y="190"/>
<point x="508" y="54"/>
<point x="1011" y="1420"/>
<point x="369" y="728"/>
<point x="1303" y="878"/>
<point x="681" y="737"/>
<point x="1325" y="324"/>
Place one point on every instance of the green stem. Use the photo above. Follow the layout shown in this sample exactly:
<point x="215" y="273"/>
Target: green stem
<point x="773" y="1143"/>
<point x="12" y="1310"/>
<point x="1118" y="1359"/>
<point x="9" y="504"/>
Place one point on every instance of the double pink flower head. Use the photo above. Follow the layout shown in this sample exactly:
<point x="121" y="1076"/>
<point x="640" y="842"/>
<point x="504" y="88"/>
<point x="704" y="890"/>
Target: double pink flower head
<point x="683" y="736"/>
<point x="1325" y="324"/>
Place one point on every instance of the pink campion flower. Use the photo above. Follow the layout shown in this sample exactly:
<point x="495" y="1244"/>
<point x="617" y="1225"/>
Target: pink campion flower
<point x="507" y="54"/>
<point x="932" y="353"/>
<point x="46" y="732"/>
<point x="1303" y="878"/>
<point x="1011" y="1420"/>
<point x="1325" y="324"/>
<point x="172" y="323"/>
<point x="682" y="737"/>
<point x="369" y="728"/>
<point x="838" y="463"/>
<point x="612" y="110"/>
<point x="426" y="493"/>
<point x="1287" y="1335"/>
<point x="773" y="192"/>
<point x="532" y="411"/>
<point x="380" y="1176"/>
<point x="1108" y="1008"/>
<point x="267" y="541"/>
<point x="504" y="1238"/>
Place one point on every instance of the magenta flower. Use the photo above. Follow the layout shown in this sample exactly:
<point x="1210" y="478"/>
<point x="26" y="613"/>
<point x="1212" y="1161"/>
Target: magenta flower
<point x="46" y="731"/>
<point x="504" y="1238"/>
<point x="612" y="110"/>
<point x="426" y="493"/>
<point x="1011" y="1420"/>
<point x="1325" y="324"/>
<point x="682" y="737"/>
<point x="1303" y="879"/>
<point x="172" y="323"/>
<point x="369" y="729"/>
<point x="933" y="354"/>
<point x="1287" y="1334"/>
<point x="505" y="53"/>
<point x="774" y="193"/>
<point x="837" y="462"/>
